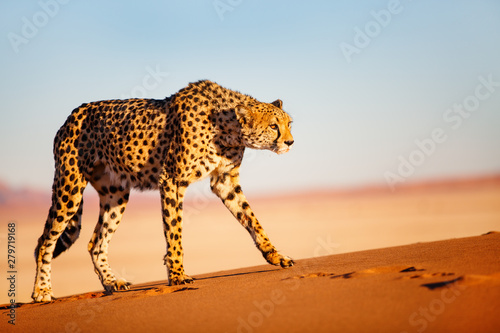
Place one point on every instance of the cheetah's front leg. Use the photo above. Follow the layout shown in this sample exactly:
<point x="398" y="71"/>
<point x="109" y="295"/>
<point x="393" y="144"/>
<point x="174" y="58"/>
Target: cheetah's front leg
<point x="226" y="186"/>
<point x="172" y="197"/>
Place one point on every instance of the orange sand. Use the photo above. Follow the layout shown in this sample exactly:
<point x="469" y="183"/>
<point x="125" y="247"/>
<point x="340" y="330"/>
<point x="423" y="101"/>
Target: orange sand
<point x="444" y="286"/>
<point x="302" y="225"/>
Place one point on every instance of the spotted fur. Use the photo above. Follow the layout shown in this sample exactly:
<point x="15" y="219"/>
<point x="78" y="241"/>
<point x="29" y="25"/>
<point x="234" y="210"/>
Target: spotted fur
<point x="116" y="145"/>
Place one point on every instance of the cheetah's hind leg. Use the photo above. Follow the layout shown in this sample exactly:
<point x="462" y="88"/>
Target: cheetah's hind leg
<point x="63" y="219"/>
<point x="113" y="200"/>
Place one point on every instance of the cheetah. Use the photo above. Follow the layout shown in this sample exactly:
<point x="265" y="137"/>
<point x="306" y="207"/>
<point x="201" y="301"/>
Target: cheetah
<point x="116" y="145"/>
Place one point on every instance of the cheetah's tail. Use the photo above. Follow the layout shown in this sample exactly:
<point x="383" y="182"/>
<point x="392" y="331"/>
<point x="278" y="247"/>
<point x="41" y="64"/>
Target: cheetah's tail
<point x="70" y="234"/>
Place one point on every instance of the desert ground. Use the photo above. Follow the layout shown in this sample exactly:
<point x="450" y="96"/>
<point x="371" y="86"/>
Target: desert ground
<point x="332" y="286"/>
<point x="445" y="286"/>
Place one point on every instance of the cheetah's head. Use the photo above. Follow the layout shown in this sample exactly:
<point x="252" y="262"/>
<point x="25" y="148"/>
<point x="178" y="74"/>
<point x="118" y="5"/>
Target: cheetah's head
<point x="265" y="126"/>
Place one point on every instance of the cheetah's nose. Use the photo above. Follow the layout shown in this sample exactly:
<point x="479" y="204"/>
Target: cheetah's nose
<point x="289" y="143"/>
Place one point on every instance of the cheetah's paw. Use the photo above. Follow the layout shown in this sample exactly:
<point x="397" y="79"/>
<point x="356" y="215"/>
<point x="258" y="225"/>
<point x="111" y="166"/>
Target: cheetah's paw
<point x="42" y="295"/>
<point x="182" y="279"/>
<point x="286" y="261"/>
<point x="117" y="285"/>
<point x="274" y="258"/>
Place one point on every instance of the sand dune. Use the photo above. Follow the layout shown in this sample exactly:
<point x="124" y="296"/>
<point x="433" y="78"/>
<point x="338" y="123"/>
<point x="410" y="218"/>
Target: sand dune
<point x="301" y="225"/>
<point x="391" y="289"/>
<point x="444" y="286"/>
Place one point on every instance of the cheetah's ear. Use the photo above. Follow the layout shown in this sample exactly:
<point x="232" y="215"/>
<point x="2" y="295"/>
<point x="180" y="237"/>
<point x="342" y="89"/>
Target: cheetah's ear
<point x="243" y="114"/>
<point x="278" y="103"/>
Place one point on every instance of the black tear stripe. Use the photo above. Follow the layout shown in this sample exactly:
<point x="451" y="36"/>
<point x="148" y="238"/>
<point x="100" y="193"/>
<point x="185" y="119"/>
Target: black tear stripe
<point x="279" y="134"/>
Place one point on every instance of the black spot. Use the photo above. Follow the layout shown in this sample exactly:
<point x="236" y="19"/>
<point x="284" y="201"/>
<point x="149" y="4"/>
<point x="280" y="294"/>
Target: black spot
<point x="230" y="196"/>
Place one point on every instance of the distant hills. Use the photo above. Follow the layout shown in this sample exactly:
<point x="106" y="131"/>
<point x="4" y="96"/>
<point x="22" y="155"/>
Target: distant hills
<point x="10" y="196"/>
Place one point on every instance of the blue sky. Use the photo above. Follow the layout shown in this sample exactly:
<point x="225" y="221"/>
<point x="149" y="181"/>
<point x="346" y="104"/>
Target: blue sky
<point x="362" y="117"/>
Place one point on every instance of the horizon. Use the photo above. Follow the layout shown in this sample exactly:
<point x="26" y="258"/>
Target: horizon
<point x="199" y="194"/>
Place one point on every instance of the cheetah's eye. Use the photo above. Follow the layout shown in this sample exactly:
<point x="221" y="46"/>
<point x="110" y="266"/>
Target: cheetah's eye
<point x="274" y="127"/>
